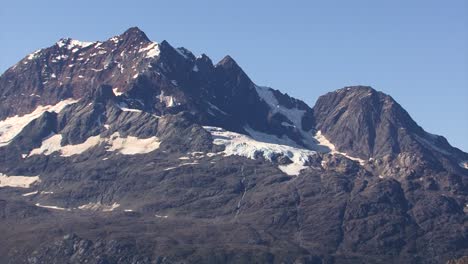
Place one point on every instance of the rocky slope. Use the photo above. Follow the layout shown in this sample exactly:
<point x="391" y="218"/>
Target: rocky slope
<point x="132" y="151"/>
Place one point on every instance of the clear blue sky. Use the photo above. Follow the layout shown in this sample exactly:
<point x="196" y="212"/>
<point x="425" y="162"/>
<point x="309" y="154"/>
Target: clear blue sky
<point x="416" y="51"/>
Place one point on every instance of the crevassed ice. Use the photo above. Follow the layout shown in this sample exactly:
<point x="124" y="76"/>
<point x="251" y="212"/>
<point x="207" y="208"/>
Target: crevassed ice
<point x="12" y="126"/>
<point x="242" y="145"/>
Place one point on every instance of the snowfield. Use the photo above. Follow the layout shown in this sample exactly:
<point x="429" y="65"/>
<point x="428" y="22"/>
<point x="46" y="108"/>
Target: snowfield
<point x="12" y="126"/>
<point x="17" y="181"/>
<point x="125" y="145"/>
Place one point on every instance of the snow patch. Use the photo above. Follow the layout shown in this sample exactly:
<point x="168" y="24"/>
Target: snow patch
<point x="152" y="50"/>
<point x="181" y="165"/>
<point x="17" y="181"/>
<point x="325" y="142"/>
<point x="12" y="126"/>
<point x="60" y="57"/>
<point x="53" y="144"/>
<point x="116" y="91"/>
<point x="167" y="100"/>
<point x="34" y="55"/>
<point x="99" y="207"/>
<point x="125" y="145"/>
<point x="132" y="145"/>
<point x="463" y="164"/>
<point x="30" y="193"/>
<point x="161" y="216"/>
<point x="52" y="207"/>
<point x="72" y="43"/>
<point x="124" y="107"/>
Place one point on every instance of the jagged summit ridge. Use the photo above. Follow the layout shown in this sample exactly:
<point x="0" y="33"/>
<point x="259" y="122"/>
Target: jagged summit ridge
<point x="159" y="79"/>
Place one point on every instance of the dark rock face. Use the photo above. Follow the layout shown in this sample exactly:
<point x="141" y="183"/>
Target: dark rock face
<point x="178" y="197"/>
<point x="369" y="124"/>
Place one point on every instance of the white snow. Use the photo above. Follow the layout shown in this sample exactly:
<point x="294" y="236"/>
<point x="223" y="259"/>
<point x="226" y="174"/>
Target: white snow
<point x="464" y="164"/>
<point x="59" y="57"/>
<point x="34" y="55"/>
<point x="52" y="144"/>
<point x="115" y="40"/>
<point x="52" y="207"/>
<point x="17" y="181"/>
<point x="77" y="43"/>
<point x="11" y="126"/>
<point x="323" y="141"/>
<point x="125" y="145"/>
<point x="242" y="145"/>
<point x="152" y="50"/>
<point x="124" y="107"/>
<point x="169" y="101"/>
<point x="61" y="43"/>
<point x="99" y="207"/>
<point x="161" y="216"/>
<point x="30" y="193"/>
<point x="132" y="145"/>
<point x="116" y="91"/>
<point x="72" y="43"/>
<point x="195" y="68"/>
<point x="188" y="163"/>
<point x="181" y="165"/>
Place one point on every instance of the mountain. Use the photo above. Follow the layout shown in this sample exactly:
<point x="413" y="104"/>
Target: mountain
<point x="133" y="151"/>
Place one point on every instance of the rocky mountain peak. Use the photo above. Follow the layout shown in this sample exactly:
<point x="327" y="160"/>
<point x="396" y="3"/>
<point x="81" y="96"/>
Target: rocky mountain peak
<point x="229" y="63"/>
<point x="134" y="34"/>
